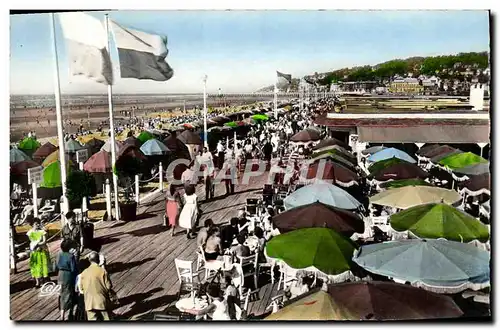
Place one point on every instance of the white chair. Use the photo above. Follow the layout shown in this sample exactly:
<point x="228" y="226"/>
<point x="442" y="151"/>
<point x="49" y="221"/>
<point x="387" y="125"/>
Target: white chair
<point x="248" y="267"/>
<point x="270" y="263"/>
<point x="211" y="267"/>
<point x="287" y="275"/>
<point x="188" y="279"/>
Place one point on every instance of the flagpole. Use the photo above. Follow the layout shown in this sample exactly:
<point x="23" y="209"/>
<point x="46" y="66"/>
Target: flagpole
<point x="59" y="118"/>
<point x="276" y="98"/>
<point x="205" y="111"/>
<point x="112" y="127"/>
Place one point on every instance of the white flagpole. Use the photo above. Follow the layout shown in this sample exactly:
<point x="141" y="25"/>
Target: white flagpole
<point x="59" y="118"/>
<point x="112" y="127"/>
<point x="205" y="134"/>
<point x="276" y="98"/>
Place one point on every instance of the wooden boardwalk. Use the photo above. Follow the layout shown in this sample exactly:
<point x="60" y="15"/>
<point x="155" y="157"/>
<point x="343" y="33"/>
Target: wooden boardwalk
<point x="140" y="259"/>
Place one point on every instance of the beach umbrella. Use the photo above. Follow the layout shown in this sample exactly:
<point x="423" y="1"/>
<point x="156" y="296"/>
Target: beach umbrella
<point x="321" y="192"/>
<point x="53" y="157"/>
<point x="250" y="121"/>
<point x="99" y="162"/>
<point x="232" y="124"/>
<point x="132" y="151"/>
<point x="221" y="119"/>
<point x="17" y="155"/>
<point x="21" y="168"/>
<point x="399" y="172"/>
<point x="439" y="266"/>
<point x="382" y="164"/>
<point x="329" y="171"/>
<point x="177" y="147"/>
<point x="189" y="126"/>
<point x="377" y="300"/>
<point x="132" y="140"/>
<point x="437" y="159"/>
<point x="439" y="220"/>
<point x="154" y="147"/>
<point x="475" y="169"/>
<point x="260" y="117"/>
<point x="219" y="129"/>
<point x="72" y="146"/>
<point x="427" y="148"/>
<point x="189" y="137"/>
<point x="476" y="185"/>
<point x="305" y="136"/>
<point x="144" y="136"/>
<point x="390" y="153"/>
<point x="52" y="175"/>
<point x="461" y="160"/>
<point x="336" y="150"/>
<point x="334" y="156"/>
<point x="313" y="249"/>
<point x="316" y="306"/>
<point x="41" y="153"/>
<point x="319" y="215"/>
<point x="329" y="142"/>
<point x="373" y="150"/>
<point x="94" y="145"/>
<point x="408" y="196"/>
<point x="107" y="146"/>
<point x="437" y="151"/>
<point x="403" y="183"/>
<point x="29" y="145"/>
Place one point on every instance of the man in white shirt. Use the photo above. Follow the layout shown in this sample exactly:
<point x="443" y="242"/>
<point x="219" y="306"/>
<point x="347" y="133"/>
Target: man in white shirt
<point x="220" y="154"/>
<point x="208" y="172"/>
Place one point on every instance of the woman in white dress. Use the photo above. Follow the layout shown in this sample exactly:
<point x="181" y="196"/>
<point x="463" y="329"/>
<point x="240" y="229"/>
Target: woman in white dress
<point x="189" y="213"/>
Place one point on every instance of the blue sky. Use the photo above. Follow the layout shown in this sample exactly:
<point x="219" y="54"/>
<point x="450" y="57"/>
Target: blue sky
<point x="241" y="50"/>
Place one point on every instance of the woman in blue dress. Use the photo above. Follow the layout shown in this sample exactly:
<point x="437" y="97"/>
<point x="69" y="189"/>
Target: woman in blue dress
<point x="66" y="264"/>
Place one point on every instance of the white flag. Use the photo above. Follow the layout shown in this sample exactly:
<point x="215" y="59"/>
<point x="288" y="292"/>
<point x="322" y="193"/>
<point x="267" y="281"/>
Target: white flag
<point x="142" y="55"/>
<point x="86" y="42"/>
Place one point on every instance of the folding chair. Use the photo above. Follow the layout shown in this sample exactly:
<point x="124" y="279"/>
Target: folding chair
<point x="211" y="266"/>
<point x="248" y="267"/>
<point x="188" y="279"/>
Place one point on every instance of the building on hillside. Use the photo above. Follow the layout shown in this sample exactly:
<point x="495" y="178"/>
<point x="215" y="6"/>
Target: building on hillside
<point x="406" y="86"/>
<point x="358" y="86"/>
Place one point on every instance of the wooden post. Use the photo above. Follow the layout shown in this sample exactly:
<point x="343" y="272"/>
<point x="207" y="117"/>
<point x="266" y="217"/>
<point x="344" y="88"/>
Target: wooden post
<point x="35" y="199"/>
<point x="161" y="176"/>
<point x="108" y="199"/>
<point x="137" y="189"/>
<point x="80" y="166"/>
<point x="12" y="248"/>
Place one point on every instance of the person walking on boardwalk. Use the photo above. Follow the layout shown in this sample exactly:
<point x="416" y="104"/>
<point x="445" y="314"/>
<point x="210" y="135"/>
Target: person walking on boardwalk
<point x="66" y="264"/>
<point x="72" y="232"/>
<point x="172" y="207"/>
<point x="39" y="255"/>
<point x="229" y="169"/>
<point x="189" y="213"/>
<point x="97" y="289"/>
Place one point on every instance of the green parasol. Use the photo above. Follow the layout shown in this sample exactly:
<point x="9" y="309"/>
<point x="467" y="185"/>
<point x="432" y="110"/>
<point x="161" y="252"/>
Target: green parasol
<point x="380" y="165"/>
<point x="320" y="249"/>
<point x="29" y="144"/>
<point x="439" y="220"/>
<point x="52" y="175"/>
<point x="462" y="160"/>
<point x="260" y="117"/>
<point x="404" y="183"/>
<point x="145" y="136"/>
<point x="232" y="124"/>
